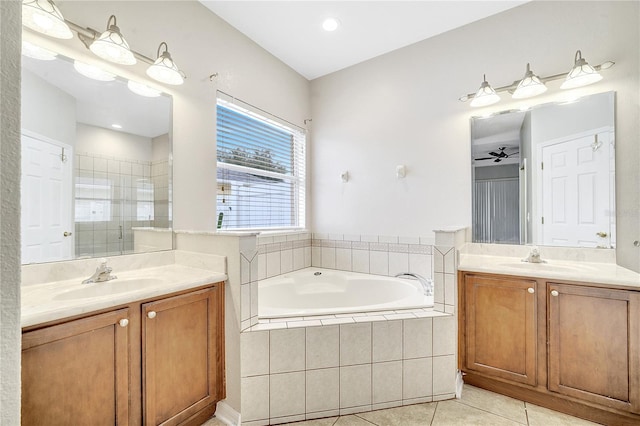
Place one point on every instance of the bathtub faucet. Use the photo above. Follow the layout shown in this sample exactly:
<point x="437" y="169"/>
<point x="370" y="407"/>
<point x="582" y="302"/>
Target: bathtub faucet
<point x="426" y="283"/>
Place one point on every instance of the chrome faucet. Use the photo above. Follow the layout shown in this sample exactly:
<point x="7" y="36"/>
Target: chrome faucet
<point x="102" y="273"/>
<point x="534" y="256"/>
<point x="426" y="283"/>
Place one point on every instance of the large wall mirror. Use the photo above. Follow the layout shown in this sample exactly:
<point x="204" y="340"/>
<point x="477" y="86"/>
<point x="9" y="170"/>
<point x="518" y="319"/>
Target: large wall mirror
<point x="96" y="163"/>
<point x="546" y="175"/>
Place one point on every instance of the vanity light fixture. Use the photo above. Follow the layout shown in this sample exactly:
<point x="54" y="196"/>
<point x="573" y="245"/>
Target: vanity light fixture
<point x="112" y="46"/>
<point x="44" y="17"/>
<point x="142" y="89"/>
<point x="485" y="95"/>
<point x="30" y="50"/>
<point x="529" y="86"/>
<point x="581" y="74"/>
<point x="93" y="72"/>
<point x="164" y="69"/>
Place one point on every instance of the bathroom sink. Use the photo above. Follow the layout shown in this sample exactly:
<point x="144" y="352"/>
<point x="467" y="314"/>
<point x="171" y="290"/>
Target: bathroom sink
<point x="107" y="288"/>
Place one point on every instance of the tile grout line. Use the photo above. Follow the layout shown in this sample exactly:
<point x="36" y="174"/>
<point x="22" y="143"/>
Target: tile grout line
<point x="457" y="401"/>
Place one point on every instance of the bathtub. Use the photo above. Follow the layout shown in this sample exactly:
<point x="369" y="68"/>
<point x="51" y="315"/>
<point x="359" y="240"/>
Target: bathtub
<point x="317" y="291"/>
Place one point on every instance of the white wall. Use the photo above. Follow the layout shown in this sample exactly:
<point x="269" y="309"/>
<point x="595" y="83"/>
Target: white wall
<point x="160" y="148"/>
<point x="47" y="110"/>
<point x="97" y="140"/>
<point x="403" y="108"/>
<point x="10" y="213"/>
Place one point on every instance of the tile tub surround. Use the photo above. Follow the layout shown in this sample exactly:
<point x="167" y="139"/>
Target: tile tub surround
<point x="308" y="372"/>
<point x="373" y="254"/>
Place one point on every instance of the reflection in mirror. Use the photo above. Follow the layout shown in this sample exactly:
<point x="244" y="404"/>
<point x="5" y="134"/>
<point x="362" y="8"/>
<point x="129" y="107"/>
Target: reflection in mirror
<point x="546" y="175"/>
<point x="96" y="165"/>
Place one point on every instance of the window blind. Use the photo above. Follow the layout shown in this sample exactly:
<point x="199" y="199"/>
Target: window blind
<point x="260" y="170"/>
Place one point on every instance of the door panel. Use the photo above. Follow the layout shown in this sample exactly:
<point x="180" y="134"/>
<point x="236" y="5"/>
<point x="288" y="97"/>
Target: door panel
<point x="576" y="205"/>
<point x="500" y="327"/>
<point x="77" y="373"/>
<point x="591" y="350"/>
<point x="46" y="193"/>
<point x="180" y="335"/>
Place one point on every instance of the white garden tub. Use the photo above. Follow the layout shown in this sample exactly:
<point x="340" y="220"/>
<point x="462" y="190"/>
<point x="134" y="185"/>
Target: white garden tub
<point x="316" y="291"/>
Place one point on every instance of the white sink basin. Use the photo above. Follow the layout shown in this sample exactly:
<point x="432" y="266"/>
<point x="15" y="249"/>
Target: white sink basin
<point x="107" y="288"/>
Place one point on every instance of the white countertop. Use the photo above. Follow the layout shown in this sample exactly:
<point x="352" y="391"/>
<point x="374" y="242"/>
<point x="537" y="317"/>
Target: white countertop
<point x="588" y="272"/>
<point x="60" y="299"/>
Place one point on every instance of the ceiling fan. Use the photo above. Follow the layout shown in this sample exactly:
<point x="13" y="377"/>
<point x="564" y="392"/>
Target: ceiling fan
<point x="498" y="156"/>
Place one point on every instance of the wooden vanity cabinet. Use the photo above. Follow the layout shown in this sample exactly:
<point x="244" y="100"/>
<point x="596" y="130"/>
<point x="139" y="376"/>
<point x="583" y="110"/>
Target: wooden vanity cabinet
<point x="150" y="362"/>
<point x="594" y="345"/>
<point x="181" y="356"/>
<point x="568" y="346"/>
<point x="500" y="327"/>
<point x="77" y="372"/>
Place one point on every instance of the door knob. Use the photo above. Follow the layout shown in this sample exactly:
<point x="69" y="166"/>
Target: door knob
<point x="123" y="322"/>
<point x="602" y="234"/>
<point x="151" y="314"/>
<point x="554" y="292"/>
<point x="67" y="233"/>
<point x="531" y="290"/>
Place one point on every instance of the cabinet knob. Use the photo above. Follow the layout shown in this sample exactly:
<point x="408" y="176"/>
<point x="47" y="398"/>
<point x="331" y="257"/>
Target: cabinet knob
<point x="151" y="314"/>
<point x="554" y="292"/>
<point x="123" y="322"/>
<point x="531" y="290"/>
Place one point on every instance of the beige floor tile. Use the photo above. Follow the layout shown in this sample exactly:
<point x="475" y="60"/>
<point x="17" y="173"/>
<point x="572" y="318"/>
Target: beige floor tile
<point x="327" y="421"/>
<point x="456" y="413"/>
<point x="501" y="405"/>
<point x="351" y="420"/>
<point x="410" y="415"/>
<point x="540" y="416"/>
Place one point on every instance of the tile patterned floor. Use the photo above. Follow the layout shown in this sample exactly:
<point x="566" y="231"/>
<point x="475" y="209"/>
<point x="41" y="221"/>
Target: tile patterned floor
<point x="476" y="407"/>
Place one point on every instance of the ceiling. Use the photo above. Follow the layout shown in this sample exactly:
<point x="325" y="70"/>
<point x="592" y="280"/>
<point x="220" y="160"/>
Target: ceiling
<point x="494" y="134"/>
<point x="292" y="30"/>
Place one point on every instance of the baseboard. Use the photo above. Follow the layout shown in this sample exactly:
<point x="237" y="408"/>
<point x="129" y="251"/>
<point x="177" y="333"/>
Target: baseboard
<point x="227" y="415"/>
<point x="459" y="384"/>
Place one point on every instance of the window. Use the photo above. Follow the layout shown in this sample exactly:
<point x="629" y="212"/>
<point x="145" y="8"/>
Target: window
<point x="261" y="170"/>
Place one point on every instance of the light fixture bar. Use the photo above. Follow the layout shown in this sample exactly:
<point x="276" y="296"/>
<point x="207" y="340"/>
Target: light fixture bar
<point x="88" y="35"/>
<point x="512" y="87"/>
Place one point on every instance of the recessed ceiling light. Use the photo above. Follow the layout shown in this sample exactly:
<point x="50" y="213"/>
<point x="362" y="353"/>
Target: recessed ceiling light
<point x="330" y="24"/>
<point x="116" y="126"/>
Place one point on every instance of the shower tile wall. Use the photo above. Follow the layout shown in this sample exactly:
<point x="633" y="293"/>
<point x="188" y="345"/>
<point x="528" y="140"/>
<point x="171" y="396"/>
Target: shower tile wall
<point x="116" y="193"/>
<point x="161" y="188"/>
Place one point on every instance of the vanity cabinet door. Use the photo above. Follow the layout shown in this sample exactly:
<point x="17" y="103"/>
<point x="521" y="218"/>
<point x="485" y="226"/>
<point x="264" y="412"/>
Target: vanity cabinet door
<point x="181" y="356"/>
<point x="77" y="373"/>
<point x="594" y="345"/>
<point x="500" y="327"/>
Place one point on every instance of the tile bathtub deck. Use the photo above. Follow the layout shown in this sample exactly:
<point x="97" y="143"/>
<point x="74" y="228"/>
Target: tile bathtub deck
<point x="318" y="320"/>
<point x="476" y="407"/>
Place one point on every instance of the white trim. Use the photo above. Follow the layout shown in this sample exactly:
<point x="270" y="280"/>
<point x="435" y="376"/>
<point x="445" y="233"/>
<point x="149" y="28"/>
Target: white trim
<point x="227" y="415"/>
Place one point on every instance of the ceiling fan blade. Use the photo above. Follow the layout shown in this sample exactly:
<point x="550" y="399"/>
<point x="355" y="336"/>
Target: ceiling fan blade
<point x="497" y="160"/>
<point x="485" y="158"/>
<point x="494" y="154"/>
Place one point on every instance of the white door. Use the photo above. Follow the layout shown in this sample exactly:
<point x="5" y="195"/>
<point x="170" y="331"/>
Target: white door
<point x="575" y="192"/>
<point x="46" y="195"/>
